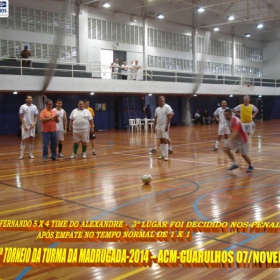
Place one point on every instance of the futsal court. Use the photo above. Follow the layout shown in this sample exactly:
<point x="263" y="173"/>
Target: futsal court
<point x="194" y="185"/>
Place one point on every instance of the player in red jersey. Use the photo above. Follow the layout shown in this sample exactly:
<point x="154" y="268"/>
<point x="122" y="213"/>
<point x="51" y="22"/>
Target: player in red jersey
<point x="238" y="139"/>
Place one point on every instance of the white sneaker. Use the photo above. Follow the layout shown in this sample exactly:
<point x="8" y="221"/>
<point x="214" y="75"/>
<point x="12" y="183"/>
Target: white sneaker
<point x="73" y="156"/>
<point x="161" y="157"/>
<point x="166" y="158"/>
<point x="84" y="155"/>
<point x="61" y="155"/>
<point x="21" y="157"/>
<point x="31" y="156"/>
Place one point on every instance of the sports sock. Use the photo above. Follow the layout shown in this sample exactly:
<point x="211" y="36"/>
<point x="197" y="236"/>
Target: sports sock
<point x="170" y="148"/>
<point x="165" y="150"/>
<point x="162" y="148"/>
<point x="225" y="142"/>
<point x="22" y="147"/>
<point x="217" y="144"/>
<point x="75" y="148"/>
<point x="31" y="146"/>
<point x="84" y="148"/>
<point x="59" y="148"/>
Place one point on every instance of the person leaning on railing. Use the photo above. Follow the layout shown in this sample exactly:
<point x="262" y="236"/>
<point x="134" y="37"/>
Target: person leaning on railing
<point x="25" y="54"/>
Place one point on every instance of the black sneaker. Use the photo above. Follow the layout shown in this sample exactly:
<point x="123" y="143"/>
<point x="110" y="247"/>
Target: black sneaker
<point x="214" y="149"/>
<point x="153" y="151"/>
<point x="236" y="151"/>
<point x="170" y="152"/>
<point x="234" y="166"/>
<point x="250" y="169"/>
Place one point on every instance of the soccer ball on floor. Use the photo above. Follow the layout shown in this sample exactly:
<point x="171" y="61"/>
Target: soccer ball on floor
<point x="146" y="178"/>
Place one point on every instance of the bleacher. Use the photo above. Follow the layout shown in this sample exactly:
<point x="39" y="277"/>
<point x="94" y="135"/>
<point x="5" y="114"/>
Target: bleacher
<point x="37" y="69"/>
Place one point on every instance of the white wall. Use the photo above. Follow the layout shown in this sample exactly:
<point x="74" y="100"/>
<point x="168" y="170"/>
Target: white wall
<point x="73" y="85"/>
<point x="90" y="50"/>
<point x="272" y="60"/>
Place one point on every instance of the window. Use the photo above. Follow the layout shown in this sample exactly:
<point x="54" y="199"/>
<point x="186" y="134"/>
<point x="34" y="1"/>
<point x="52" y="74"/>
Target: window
<point x="169" y="63"/>
<point x="249" y="53"/>
<point x="11" y="18"/>
<point x="254" y="71"/>
<point x="215" y="68"/>
<point x="50" y="22"/>
<point x="21" y="18"/>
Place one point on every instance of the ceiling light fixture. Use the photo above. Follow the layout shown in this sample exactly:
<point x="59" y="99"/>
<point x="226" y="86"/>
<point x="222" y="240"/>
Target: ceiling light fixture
<point x="133" y="18"/>
<point x="231" y="95"/>
<point x="260" y="96"/>
<point x="247" y="35"/>
<point x="160" y="16"/>
<point x="150" y="94"/>
<point x="216" y="29"/>
<point x="106" y="5"/>
<point x="15" y="92"/>
<point x="195" y="95"/>
<point x="260" y="26"/>
<point x="201" y="10"/>
<point x="231" y="17"/>
<point x="92" y="93"/>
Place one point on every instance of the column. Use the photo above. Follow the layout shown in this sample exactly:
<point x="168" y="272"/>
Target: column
<point x="233" y="52"/>
<point x="83" y="34"/>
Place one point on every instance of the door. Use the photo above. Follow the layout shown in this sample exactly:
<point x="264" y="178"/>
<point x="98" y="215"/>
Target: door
<point x="122" y="57"/>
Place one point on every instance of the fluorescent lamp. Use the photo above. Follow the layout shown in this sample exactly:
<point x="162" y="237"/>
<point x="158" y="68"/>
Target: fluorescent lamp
<point x="200" y="10"/>
<point x="160" y="16"/>
<point x="247" y="35"/>
<point x="15" y="92"/>
<point x="231" y="17"/>
<point x="106" y="5"/>
<point x="231" y="95"/>
<point x="92" y="93"/>
<point x="260" y="26"/>
<point x="216" y="29"/>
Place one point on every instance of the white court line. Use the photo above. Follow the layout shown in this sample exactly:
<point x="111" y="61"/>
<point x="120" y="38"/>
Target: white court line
<point x="172" y="159"/>
<point x="198" y="143"/>
<point x="206" y="163"/>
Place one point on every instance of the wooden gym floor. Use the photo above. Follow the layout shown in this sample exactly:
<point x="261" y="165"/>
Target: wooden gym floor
<point x="193" y="185"/>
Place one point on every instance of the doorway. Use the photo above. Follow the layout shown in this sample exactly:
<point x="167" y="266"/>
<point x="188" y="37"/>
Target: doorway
<point x="107" y="58"/>
<point x="122" y="57"/>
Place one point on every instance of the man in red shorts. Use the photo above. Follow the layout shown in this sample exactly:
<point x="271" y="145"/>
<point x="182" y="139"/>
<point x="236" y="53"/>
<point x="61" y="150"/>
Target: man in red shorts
<point x="238" y="139"/>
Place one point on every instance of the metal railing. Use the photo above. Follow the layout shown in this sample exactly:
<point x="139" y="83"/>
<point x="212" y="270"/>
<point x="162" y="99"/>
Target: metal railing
<point x="97" y="70"/>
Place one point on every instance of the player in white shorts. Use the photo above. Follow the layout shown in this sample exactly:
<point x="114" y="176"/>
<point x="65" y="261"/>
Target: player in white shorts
<point x="247" y="112"/>
<point x="28" y="114"/>
<point x="161" y="125"/>
<point x="81" y="123"/>
<point x="223" y="127"/>
<point x="61" y="126"/>
<point x="170" y="149"/>
<point x="238" y="139"/>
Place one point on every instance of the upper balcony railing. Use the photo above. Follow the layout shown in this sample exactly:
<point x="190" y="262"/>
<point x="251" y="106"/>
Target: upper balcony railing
<point x="98" y="71"/>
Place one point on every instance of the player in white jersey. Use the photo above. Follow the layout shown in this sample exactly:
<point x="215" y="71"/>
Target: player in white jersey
<point x="82" y="124"/>
<point x="161" y="125"/>
<point x="61" y="125"/>
<point x="223" y="126"/>
<point x="170" y="149"/>
<point x="28" y="114"/>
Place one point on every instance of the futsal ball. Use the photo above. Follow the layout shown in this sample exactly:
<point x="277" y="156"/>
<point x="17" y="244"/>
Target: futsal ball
<point x="146" y="179"/>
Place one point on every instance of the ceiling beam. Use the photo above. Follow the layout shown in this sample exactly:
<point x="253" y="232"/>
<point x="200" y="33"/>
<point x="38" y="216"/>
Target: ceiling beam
<point x="86" y="2"/>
